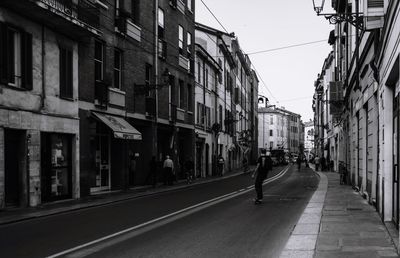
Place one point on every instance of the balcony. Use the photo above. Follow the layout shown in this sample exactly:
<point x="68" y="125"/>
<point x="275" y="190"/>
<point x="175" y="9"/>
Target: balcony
<point x="116" y="97"/>
<point x="184" y="62"/>
<point x="76" y="18"/>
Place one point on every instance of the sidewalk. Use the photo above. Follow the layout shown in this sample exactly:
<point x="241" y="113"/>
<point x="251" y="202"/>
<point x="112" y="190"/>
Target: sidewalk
<point x="20" y="214"/>
<point x="338" y="222"/>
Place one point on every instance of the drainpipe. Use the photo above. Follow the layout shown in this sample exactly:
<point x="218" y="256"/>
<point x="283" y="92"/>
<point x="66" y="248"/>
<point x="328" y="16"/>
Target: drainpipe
<point x="43" y="95"/>
<point x="155" y="134"/>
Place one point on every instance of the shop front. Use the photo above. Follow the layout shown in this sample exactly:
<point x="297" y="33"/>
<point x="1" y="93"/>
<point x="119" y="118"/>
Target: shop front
<point x="56" y="166"/>
<point x="111" y="139"/>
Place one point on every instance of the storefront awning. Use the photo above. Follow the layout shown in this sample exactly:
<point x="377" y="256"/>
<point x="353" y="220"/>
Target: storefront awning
<point x="121" y="128"/>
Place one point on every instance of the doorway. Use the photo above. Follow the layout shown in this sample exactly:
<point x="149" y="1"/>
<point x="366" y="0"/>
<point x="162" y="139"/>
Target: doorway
<point x="56" y="173"/>
<point x="15" y="181"/>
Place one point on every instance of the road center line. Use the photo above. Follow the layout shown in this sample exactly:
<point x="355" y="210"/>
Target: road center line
<point x="168" y="218"/>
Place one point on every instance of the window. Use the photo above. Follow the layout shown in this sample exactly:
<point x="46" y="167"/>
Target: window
<point x="200" y="114"/>
<point x="206" y="79"/>
<point x="117" y="68"/>
<point x="189" y="5"/>
<point x="220" y="115"/>
<point x="208" y="117"/>
<point x="98" y="60"/>
<point x="271" y="133"/>
<point x="181" y="94"/>
<point x="189" y="43"/>
<point x="135" y="11"/>
<point x="147" y="80"/>
<point x="272" y="120"/>
<point x="15" y="57"/>
<point x="189" y="97"/>
<point x="66" y="84"/>
<point x="161" y="20"/>
<point x="180" y="44"/>
<point x="271" y="144"/>
<point x="198" y="72"/>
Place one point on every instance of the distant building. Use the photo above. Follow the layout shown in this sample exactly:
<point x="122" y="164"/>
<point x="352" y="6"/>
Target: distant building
<point x="279" y="128"/>
<point x="309" y="139"/>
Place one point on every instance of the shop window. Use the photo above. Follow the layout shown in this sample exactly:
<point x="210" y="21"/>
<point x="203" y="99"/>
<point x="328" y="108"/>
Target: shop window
<point x="56" y="167"/>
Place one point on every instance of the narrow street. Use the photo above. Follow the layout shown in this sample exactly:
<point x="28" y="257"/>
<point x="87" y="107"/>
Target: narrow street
<point x="231" y="228"/>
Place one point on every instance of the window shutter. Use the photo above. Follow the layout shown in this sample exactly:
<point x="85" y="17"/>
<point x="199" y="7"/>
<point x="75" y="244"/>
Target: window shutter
<point x="26" y="60"/>
<point x="373" y="14"/>
<point x="3" y="53"/>
<point x="69" y="75"/>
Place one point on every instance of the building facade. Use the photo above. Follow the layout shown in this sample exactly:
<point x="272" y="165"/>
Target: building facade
<point x="90" y="92"/>
<point x="136" y="93"/>
<point x="361" y="97"/>
<point x="39" y="125"/>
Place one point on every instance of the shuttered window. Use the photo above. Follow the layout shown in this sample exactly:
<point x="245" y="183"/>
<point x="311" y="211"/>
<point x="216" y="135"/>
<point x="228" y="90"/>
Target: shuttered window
<point x="375" y="3"/>
<point x="66" y="75"/>
<point x="15" y="57"/>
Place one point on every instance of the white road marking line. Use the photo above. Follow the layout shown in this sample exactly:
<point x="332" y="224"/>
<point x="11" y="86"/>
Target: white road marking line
<point x="205" y="204"/>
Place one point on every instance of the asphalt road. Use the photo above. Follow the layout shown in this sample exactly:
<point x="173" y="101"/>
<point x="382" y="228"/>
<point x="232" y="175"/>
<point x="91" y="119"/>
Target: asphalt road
<point x="230" y="228"/>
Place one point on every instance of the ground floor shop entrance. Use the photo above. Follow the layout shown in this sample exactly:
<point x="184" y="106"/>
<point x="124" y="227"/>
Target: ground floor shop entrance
<point x="15" y="168"/>
<point x="56" y="176"/>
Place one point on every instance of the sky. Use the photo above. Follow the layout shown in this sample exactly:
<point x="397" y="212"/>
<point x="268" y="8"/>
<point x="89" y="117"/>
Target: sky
<point x="260" y="25"/>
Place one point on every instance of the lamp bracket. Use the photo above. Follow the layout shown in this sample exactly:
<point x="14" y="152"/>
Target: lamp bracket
<point x="335" y="18"/>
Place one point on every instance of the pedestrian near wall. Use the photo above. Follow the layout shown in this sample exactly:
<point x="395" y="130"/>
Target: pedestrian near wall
<point x="168" y="171"/>
<point x="221" y="163"/>
<point x="264" y="165"/>
<point x="316" y="162"/>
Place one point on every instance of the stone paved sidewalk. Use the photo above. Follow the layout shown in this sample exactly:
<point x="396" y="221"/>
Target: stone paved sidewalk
<point x="338" y="222"/>
<point x="350" y="227"/>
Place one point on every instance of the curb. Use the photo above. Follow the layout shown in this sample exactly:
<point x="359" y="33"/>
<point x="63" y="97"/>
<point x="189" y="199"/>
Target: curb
<point x="303" y="239"/>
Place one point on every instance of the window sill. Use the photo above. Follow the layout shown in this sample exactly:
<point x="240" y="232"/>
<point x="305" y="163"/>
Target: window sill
<point x="117" y="90"/>
<point x="14" y="87"/>
<point x="101" y="4"/>
<point x="67" y="98"/>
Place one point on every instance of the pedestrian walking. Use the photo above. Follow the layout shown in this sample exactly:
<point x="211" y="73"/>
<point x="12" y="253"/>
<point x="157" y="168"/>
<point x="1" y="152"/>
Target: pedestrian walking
<point x="132" y="169"/>
<point x="189" y="165"/>
<point x="264" y="165"/>
<point x="298" y="162"/>
<point x="168" y="167"/>
<point x="221" y="163"/>
<point x="323" y="163"/>
<point x="316" y="162"/>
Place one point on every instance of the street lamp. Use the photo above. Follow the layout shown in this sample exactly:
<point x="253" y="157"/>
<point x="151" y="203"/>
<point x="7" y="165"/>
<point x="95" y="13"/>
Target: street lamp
<point x="318" y="5"/>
